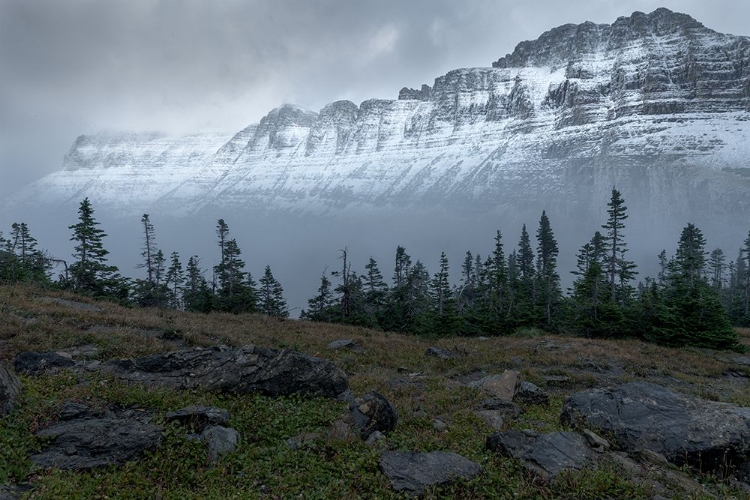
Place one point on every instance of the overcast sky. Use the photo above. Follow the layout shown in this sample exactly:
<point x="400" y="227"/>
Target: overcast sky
<point x="69" y="67"/>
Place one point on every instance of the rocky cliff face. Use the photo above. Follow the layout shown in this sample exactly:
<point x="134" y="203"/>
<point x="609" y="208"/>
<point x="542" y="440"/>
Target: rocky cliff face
<point x="656" y="104"/>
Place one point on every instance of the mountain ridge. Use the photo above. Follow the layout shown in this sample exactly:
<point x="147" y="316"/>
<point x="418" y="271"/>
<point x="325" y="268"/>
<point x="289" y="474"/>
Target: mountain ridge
<point x="656" y="104"/>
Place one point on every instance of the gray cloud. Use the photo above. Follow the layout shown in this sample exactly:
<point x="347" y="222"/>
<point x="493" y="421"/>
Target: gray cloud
<point x="80" y="66"/>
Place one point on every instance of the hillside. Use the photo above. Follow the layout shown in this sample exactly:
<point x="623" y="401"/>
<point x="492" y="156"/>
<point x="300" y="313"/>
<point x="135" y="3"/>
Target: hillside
<point x="437" y="408"/>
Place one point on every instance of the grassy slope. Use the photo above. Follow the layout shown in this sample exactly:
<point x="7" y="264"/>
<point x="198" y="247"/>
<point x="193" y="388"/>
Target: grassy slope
<point x="263" y="466"/>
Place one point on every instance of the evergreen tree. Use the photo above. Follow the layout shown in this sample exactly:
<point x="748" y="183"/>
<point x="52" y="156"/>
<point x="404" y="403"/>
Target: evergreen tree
<point x="271" y="293"/>
<point x="233" y="291"/>
<point x="21" y="260"/>
<point x="375" y="289"/>
<point x="717" y="267"/>
<point x="397" y="316"/>
<point x="197" y="295"/>
<point x="525" y="290"/>
<point x="322" y="307"/>
<point x="90" y="272"/>
<point x="174" y="280"/>
<point x="549" y="293"/>
<point x="444" y="313"/>
<point x="149" y="249"/>
<point x="700" y="319"/>
<point x="619" y="269"/>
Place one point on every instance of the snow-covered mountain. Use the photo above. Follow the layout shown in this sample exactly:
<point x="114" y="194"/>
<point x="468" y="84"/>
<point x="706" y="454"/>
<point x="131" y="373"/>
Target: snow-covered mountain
<point x="656" y="104"/>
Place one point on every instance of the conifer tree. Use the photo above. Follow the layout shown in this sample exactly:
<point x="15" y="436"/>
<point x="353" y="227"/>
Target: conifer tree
<point x="90" y="272"/>
<point x="149" y="249"/>
<point x="619" y="269"/>
<point x="525" y="292"/>
<point x="549" y="293"/>
<point x="197" y="295"/>
<point x="321" y="307"/>
<point x="717" y="268"/>
<point x="174" y="280"/>
<point x="271" y="296"/>
<point x="444" y="314"/>
<point x="375" y="289"/>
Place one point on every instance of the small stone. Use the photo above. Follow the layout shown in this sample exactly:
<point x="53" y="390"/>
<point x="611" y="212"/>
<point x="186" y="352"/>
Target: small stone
<point x="528" y="393"/>
<point x="439" y="425"/>
<point x="220" y="441"/>
<point x="596" y="442"/>
<point x="492" y="418"/>
<point x="372" y="412"/>
<point x="508" y="409"/>
<point x="198" y="417"/>
<point x="374" y="438"/>
<point x="652" y="457"/>
<point x="341" y="431"/>
<point x="349" y="344"/>
<point x="498" y="386"/>
<point x="439" y="353"/>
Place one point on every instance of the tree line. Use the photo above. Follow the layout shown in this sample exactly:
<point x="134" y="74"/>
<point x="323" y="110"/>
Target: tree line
<point x="694" y="300"/>
<point x="166" y="284"/>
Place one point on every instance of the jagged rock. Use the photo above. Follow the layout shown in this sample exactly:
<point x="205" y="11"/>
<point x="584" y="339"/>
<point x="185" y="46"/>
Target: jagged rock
<point x="38" y="363"/>
<point x="374" y="438"/>
<point x="545" y="455"/>
<point x="237" y="371"/>
<point x="439" y="353"/>
<point x="684" y="429"/>
<point x="10" y="387"/>
<point x="372" y="412"/>
<point x="85" y="441"/>
<point x="507" y="408"/>
<point x="219" y="441"/>
<point x="341" y="430"/>
<point x="528" y="393"/>
<point x="198" y="417"/>
<point x="493" y="418"/>
<point x="498" y="386"/>
<point x="411" y="473"/>
<point x="595" y="441"/>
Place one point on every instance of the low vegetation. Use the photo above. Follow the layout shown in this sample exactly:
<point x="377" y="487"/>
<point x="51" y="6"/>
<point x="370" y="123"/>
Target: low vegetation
<point x="421" y="388"/>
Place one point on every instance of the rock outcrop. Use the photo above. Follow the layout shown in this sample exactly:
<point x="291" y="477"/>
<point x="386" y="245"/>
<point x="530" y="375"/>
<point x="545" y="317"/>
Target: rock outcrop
<point x="85" y="439"/>
<point x="639" y="415"/>
<point x="237" y="371"/>
<point x="412" y="473"/>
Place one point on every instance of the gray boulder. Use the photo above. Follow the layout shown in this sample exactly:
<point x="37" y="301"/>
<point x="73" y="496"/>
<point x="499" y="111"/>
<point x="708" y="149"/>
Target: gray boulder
<point x="198" y="417"/>
<point x="349" y="344"/>
<point x="507" y="409"/>
<point x="502" y="386"/>
<point x="38" y="363"/>
<point x="237" y="371"/>
<point x="372" y="412"/>
<point x="219" y="441"/>
<point x="10" y="387"/>
<point x="86" y="440"/>
<point x="545" y="455"/>
<point x="684" y="429"/>
<point x="411" y="473"/>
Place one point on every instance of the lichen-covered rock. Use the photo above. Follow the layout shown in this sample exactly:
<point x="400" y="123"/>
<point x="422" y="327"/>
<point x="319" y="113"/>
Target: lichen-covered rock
<point x="545" y="455"/>
<point x="238" y="371"/>
<point x="372" y="412"/>
<point x="684" y="429"/>
<point x="85" y="439"/>
<point x="38" y="363"/>
<point x="411" y="472"/>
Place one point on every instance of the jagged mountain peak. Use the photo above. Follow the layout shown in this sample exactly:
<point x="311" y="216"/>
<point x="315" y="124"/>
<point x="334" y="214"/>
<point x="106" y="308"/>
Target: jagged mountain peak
<point x="554" y="48"/>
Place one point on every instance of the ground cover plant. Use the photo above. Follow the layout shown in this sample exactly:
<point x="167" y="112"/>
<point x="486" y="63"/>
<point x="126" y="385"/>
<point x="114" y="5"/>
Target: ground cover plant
<point x="423" y="390"/>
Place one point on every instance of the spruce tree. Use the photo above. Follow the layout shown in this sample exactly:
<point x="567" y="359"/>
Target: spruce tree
<point x="322" y="307"/>
<point x="548" y="288"/>
<point x="619" y="269"/>
<point x="149" y="249"/>
<point x="174" y="280"/>
<point x="197" y="295"/>
<point x="90" y="272"/>
<point x="375" y="289"/>
<point x="271" y="296"/>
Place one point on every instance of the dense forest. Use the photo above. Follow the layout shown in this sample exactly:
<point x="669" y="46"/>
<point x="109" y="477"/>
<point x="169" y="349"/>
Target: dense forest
<point x="694" y="300"/>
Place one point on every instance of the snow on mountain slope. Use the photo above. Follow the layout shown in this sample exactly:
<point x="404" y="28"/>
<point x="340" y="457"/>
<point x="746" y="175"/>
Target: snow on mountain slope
<point x="656" y="104"/>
